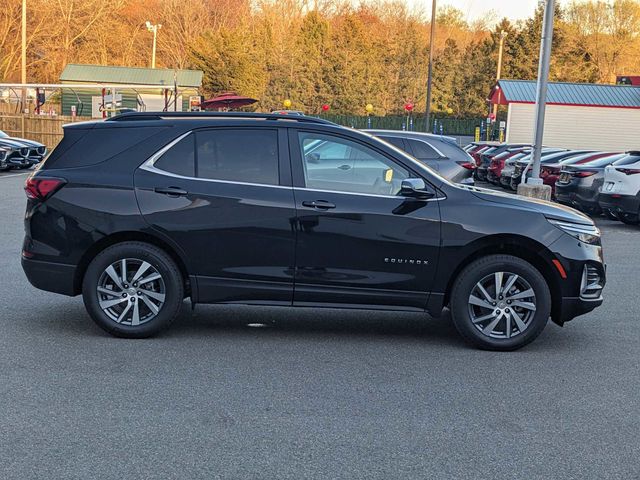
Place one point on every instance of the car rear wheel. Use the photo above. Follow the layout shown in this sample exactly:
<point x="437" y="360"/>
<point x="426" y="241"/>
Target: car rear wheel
<point x="629" y="218"/>
<point x="500" y="302"/>
<point x="609" y="214"/>
<point x="133" y="290"/>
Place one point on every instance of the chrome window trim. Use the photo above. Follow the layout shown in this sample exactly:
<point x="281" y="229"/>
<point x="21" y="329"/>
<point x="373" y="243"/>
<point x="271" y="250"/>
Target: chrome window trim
<point x="397" y="197"/>
<point x="149" y="166"/>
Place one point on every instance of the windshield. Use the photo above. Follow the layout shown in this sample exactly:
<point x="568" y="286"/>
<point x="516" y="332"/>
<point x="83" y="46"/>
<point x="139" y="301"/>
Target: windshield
<point x="604" y="161"/>
<point x="628" y="160"/>
<point x="3" y="135"/>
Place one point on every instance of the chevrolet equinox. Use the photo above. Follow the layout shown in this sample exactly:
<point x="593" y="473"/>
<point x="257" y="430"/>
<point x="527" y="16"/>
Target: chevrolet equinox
<point x="143" y="210"/>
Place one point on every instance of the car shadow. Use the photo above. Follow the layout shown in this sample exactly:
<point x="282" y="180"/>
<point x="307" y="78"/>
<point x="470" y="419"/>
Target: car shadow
<point x="277" y="323"/>
<point x="69" y="318"/>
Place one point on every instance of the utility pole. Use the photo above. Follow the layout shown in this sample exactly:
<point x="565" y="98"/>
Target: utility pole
<point x="23" y="73"/>
<point x="153" y="29"/>
<point x="534" y="186"/>
<point x="427" y="112"/>
<point x="503" y="35"/>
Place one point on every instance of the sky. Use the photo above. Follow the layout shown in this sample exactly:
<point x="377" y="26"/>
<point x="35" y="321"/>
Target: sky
<point x="512" y="9"/>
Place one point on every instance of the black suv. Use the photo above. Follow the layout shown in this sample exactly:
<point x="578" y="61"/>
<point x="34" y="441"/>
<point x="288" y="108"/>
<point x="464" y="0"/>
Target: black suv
<point x="145" y="209"/>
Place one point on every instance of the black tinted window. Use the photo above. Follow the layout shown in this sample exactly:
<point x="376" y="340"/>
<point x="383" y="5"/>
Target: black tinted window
<point x="242" y="155"/>
<point x="422" y="150"/>
<point x="395" y="141"/>
<point x="179" y="159"/>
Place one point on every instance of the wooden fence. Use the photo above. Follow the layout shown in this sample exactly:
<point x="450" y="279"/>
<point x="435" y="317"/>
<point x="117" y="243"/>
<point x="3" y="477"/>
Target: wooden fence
<point x="40" y="128"/>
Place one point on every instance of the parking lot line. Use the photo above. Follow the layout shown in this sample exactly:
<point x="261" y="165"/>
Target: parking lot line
<point x="14" y="175"/>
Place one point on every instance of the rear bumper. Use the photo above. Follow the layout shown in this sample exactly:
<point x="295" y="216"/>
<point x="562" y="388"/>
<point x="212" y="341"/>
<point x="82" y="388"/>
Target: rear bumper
<point x="629" y="204"/>
<point x="49" y="276"/>
<point x="576" y="196"/>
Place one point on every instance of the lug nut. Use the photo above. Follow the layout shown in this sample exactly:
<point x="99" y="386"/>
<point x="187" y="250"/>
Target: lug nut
<point x="509" y="302"/>
<point x="493" y="303"/>
<point x="139" y="293"/>
<point x="133" y="299"/>
<point x="135" y="284"/>
<point x="500" y="297"/>
<point x="126" y="286"/>
<point x="124" y="295"/>
<point x="507" y="310"/>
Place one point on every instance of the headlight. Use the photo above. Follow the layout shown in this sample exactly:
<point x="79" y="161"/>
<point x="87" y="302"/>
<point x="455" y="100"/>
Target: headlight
<point x="585" y="233"/>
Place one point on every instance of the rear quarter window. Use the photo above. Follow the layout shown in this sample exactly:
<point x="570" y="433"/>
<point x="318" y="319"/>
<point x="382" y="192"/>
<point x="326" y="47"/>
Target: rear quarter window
<point x="89" y="146"/>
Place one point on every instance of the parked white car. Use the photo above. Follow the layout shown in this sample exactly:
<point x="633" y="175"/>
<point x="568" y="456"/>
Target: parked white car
<point x="620" y="194"/>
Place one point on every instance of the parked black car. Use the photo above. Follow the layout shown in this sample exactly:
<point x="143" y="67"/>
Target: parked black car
<point x="142" y="210"/>
<point x="579" y="184"/>
<point x="23" y="153"/>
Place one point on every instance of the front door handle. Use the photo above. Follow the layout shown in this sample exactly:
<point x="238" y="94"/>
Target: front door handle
<point x="171" y="191"/>
<point x="345" y="167"/>
<point x="318" y="204"/>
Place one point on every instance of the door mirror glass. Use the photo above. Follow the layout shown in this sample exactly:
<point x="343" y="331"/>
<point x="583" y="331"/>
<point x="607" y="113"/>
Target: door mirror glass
<point x="415" y="187"/>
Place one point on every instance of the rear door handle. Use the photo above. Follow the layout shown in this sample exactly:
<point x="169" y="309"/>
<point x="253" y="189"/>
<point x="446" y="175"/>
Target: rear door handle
<point x="318" y="204"/>
<point x="171" y="191"/>
<point x="345" y="167"/>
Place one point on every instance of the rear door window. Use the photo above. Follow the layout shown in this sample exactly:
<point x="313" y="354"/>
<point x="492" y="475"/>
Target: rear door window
<point x="239" y="155"/>
<point x="422" y="150"/>
<point x="396" y="141"/>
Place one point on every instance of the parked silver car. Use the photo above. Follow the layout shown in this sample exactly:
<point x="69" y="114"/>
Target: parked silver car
<point x="437" y="151"/>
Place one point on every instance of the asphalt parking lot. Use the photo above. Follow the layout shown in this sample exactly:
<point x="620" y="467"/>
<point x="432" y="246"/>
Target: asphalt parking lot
<point x="266" y="393"/>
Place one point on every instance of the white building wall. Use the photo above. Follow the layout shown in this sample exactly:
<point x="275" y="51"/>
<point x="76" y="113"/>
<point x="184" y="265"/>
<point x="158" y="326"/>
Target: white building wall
<point x="568" y="126"/>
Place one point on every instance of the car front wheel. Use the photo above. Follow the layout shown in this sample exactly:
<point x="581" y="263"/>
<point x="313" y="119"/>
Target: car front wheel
<point x="500" y="302"/>
<point x="133" y="290"/>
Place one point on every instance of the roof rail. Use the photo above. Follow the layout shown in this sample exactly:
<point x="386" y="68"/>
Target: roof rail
<point x="141" y="116"/>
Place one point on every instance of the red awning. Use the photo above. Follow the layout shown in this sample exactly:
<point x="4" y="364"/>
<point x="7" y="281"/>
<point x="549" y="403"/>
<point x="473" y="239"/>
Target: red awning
<point x="227" y="100"/>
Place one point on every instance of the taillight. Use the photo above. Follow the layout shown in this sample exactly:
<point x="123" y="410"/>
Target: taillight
<point x="467" y="165"/>
<point x="628" y="171"/>
<point x="587" y="173"/>
<point x="42" y="188"/>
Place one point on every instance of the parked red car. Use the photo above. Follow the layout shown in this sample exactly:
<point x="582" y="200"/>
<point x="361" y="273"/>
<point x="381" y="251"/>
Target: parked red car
<point x="497" y="163"/>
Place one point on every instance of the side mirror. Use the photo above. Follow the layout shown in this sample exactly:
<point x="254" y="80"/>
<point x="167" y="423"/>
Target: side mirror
<point x="415" y="188"/>
<point x="313" y="157"/>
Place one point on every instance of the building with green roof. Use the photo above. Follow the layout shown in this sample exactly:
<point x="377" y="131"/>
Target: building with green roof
<point x="144" y="89"/>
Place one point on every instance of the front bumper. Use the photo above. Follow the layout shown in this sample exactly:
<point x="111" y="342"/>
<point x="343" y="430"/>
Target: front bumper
<point x="49" y="276"/>
<point x="616" y="203"/>
<point x="572" y="307"/>
<point x="580" y="291"/>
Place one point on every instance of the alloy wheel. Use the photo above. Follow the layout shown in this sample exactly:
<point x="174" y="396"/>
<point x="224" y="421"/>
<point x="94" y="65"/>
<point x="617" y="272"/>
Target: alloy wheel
<point x="502" y="305"/>
<point x="131" y="291"/>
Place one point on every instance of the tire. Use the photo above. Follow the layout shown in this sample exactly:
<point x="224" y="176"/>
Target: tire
<point x="629" y="218"/>
<point x="609" y="214"/>
<point x="165" y="293"/>
<point x="500" y="336"/>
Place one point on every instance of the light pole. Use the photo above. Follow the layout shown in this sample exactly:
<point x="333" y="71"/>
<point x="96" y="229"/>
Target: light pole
<point x="427" y="112"/>
<point x="503" y="35"/>
<point x="153" y="29"/>
<point x="534" y="186"/>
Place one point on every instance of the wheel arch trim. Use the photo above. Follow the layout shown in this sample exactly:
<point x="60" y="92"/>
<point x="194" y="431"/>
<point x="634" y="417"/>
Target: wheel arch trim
<point x="134" y="236"/>
<point x="516" y="245"/>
